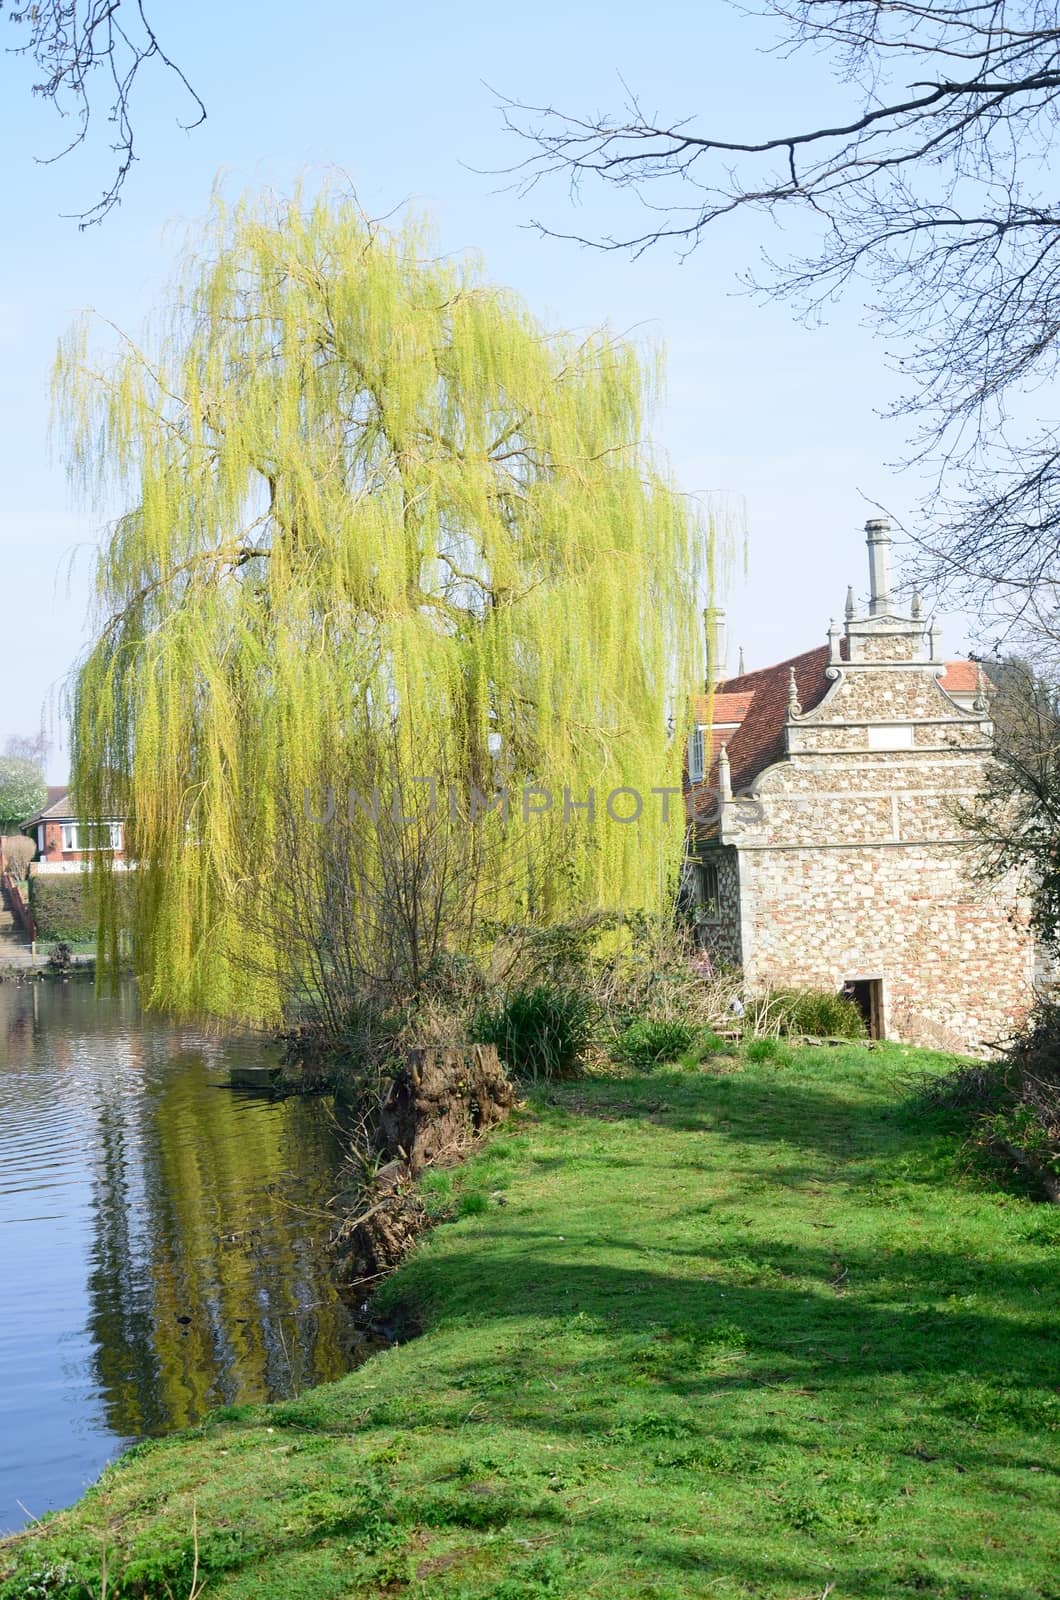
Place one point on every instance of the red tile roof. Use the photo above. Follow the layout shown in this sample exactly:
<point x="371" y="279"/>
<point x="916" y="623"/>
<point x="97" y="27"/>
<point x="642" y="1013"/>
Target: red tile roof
<point x="759" y="740"/>
<point x="727" y="708"/>
<point x="960" y="677"/>
<point x="758" y="702"/>
<point x="59" y="807"/>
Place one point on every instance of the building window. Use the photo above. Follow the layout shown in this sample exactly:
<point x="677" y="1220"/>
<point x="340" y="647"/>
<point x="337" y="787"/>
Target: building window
<point x="696" y="757"/>
<point x="708" y="893"/>
<point x="91" y="836"/>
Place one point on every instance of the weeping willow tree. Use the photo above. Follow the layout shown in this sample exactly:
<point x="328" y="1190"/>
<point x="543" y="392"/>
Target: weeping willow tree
<point x="381" y="524"/>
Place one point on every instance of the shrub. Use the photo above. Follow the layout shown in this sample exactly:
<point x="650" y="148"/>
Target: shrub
<point x="18" y="852"/>
<point x="826" y="1015"/>
<point x="1014" y="1103"/>
<point x="630" y="965"/>
<point x="712" y="1044"/>
<point x="766" y="1048"/>
<point x="539" y="1032"/>
<point x="64" y="905"/>
<point x="975" y="1086"/>
<point x="565" y="953"/>
<point x="61" y="957"/>
<point x="646" y="1043"/>
<point x="818" y="1012"/>
<point x="656" y="971"/>
<point x="452" y="979"/>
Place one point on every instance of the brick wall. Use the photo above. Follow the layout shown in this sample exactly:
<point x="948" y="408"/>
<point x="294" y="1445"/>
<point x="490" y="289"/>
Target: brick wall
<point x="956" y="963"/>
<point x="857" y="866"/>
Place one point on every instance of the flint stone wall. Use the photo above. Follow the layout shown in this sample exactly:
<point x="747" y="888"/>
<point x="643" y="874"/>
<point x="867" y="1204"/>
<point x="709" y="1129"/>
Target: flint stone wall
<point x="857" y="865"/>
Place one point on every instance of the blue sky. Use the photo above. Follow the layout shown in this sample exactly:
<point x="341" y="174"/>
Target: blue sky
<point x="779" y="418"/>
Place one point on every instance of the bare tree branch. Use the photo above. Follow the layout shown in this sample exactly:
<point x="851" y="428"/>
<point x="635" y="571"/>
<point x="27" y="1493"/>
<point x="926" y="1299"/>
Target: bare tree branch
<point x="74" y="43"/>
<point x="934" y="198"/>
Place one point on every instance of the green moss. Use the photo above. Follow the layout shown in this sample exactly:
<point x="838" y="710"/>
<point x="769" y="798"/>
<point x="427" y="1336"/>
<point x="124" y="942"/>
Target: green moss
<point x="722" y="1333"/>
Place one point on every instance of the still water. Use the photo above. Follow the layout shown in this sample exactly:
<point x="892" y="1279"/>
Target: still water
<point x="161" y="1242"/>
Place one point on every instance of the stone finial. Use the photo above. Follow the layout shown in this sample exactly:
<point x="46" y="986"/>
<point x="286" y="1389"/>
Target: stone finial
<point x="834" y="635"/>
<point x="740" y="668"/>
<point x="916" y="610"/>
<point x="724" y="775"/>
<point x="851" y="607"/>
<point x="980" y="703"/>
<point x="794" y="708"/>
<point x="934" y="633"/>
<point x="878" y="539"/>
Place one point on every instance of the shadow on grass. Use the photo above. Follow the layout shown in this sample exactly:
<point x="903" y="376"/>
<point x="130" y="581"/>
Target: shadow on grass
<point x="832" y="1119"/>
<point x="803" y="1387"/>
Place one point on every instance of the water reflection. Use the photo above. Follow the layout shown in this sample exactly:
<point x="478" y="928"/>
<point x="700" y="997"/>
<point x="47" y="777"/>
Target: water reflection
<point x="160" y="1237"/>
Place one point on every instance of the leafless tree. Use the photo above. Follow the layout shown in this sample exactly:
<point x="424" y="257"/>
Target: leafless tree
<point x="1016" y="818"/>
<point x="34" y="747"/>
<point x="77" y="45"/>
<point x="936" y="196"/>
<point x="385" y="878"/>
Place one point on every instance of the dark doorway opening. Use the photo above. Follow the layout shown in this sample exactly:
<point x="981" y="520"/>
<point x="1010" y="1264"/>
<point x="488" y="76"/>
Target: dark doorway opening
<point x="867" y="995"/>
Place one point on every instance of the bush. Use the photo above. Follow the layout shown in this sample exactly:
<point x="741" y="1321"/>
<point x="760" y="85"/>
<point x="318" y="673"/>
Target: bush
<point x="712" y="1044"/>
<point x="767" y="1048"/>
<point x="61" y="958"/>
<point x="1014" y="1103"/>
<point x="452" y="979"/>
<point x="630" y="965"/>
<point x="820" y="1013"/>
<point x="975" y="1086"/>
<point x="565" y="953"/>
<point x="64" y="905"/>
<point x="539" y="1032"/>
<point x="18" y="853"/>
<point x="645" y="1044"/>
<point x="658" y="972"/>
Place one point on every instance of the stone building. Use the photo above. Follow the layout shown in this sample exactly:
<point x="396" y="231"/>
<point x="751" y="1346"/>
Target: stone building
<point x="827" y="846"/>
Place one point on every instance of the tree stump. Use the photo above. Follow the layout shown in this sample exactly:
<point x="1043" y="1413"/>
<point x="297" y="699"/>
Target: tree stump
<point x="432" y="1111"/>
<point x="440" y="1102"/>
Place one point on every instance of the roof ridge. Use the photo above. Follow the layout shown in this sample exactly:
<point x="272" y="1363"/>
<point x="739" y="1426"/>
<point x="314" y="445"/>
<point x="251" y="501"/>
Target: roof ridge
<point x="745" y="682"/>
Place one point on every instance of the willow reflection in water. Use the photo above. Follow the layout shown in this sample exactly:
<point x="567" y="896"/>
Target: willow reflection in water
<point x="161" y="1238"/>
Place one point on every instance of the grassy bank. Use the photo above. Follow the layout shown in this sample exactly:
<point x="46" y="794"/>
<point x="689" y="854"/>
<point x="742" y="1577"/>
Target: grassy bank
<point x="750" y="1331"/>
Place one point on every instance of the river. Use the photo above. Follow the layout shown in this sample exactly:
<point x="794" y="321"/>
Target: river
<point x="161" y="1237"/>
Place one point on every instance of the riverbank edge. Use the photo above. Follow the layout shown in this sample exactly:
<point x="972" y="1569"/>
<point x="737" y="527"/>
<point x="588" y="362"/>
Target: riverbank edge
<point x="33" y="968"/>
<point x="436" y="1395"/>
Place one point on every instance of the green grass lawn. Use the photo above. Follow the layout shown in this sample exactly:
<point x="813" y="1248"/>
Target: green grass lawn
<point x="747" y="1331"/>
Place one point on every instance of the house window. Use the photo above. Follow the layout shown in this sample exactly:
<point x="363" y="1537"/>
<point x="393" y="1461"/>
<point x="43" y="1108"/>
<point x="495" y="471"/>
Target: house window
<point x="708" y="892"/>
<point x="696" y="757"/>
<point x="91" y="836"/>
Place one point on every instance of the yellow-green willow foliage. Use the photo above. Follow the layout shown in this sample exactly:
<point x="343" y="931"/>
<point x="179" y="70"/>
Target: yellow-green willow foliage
<point x="370" y="499"/>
